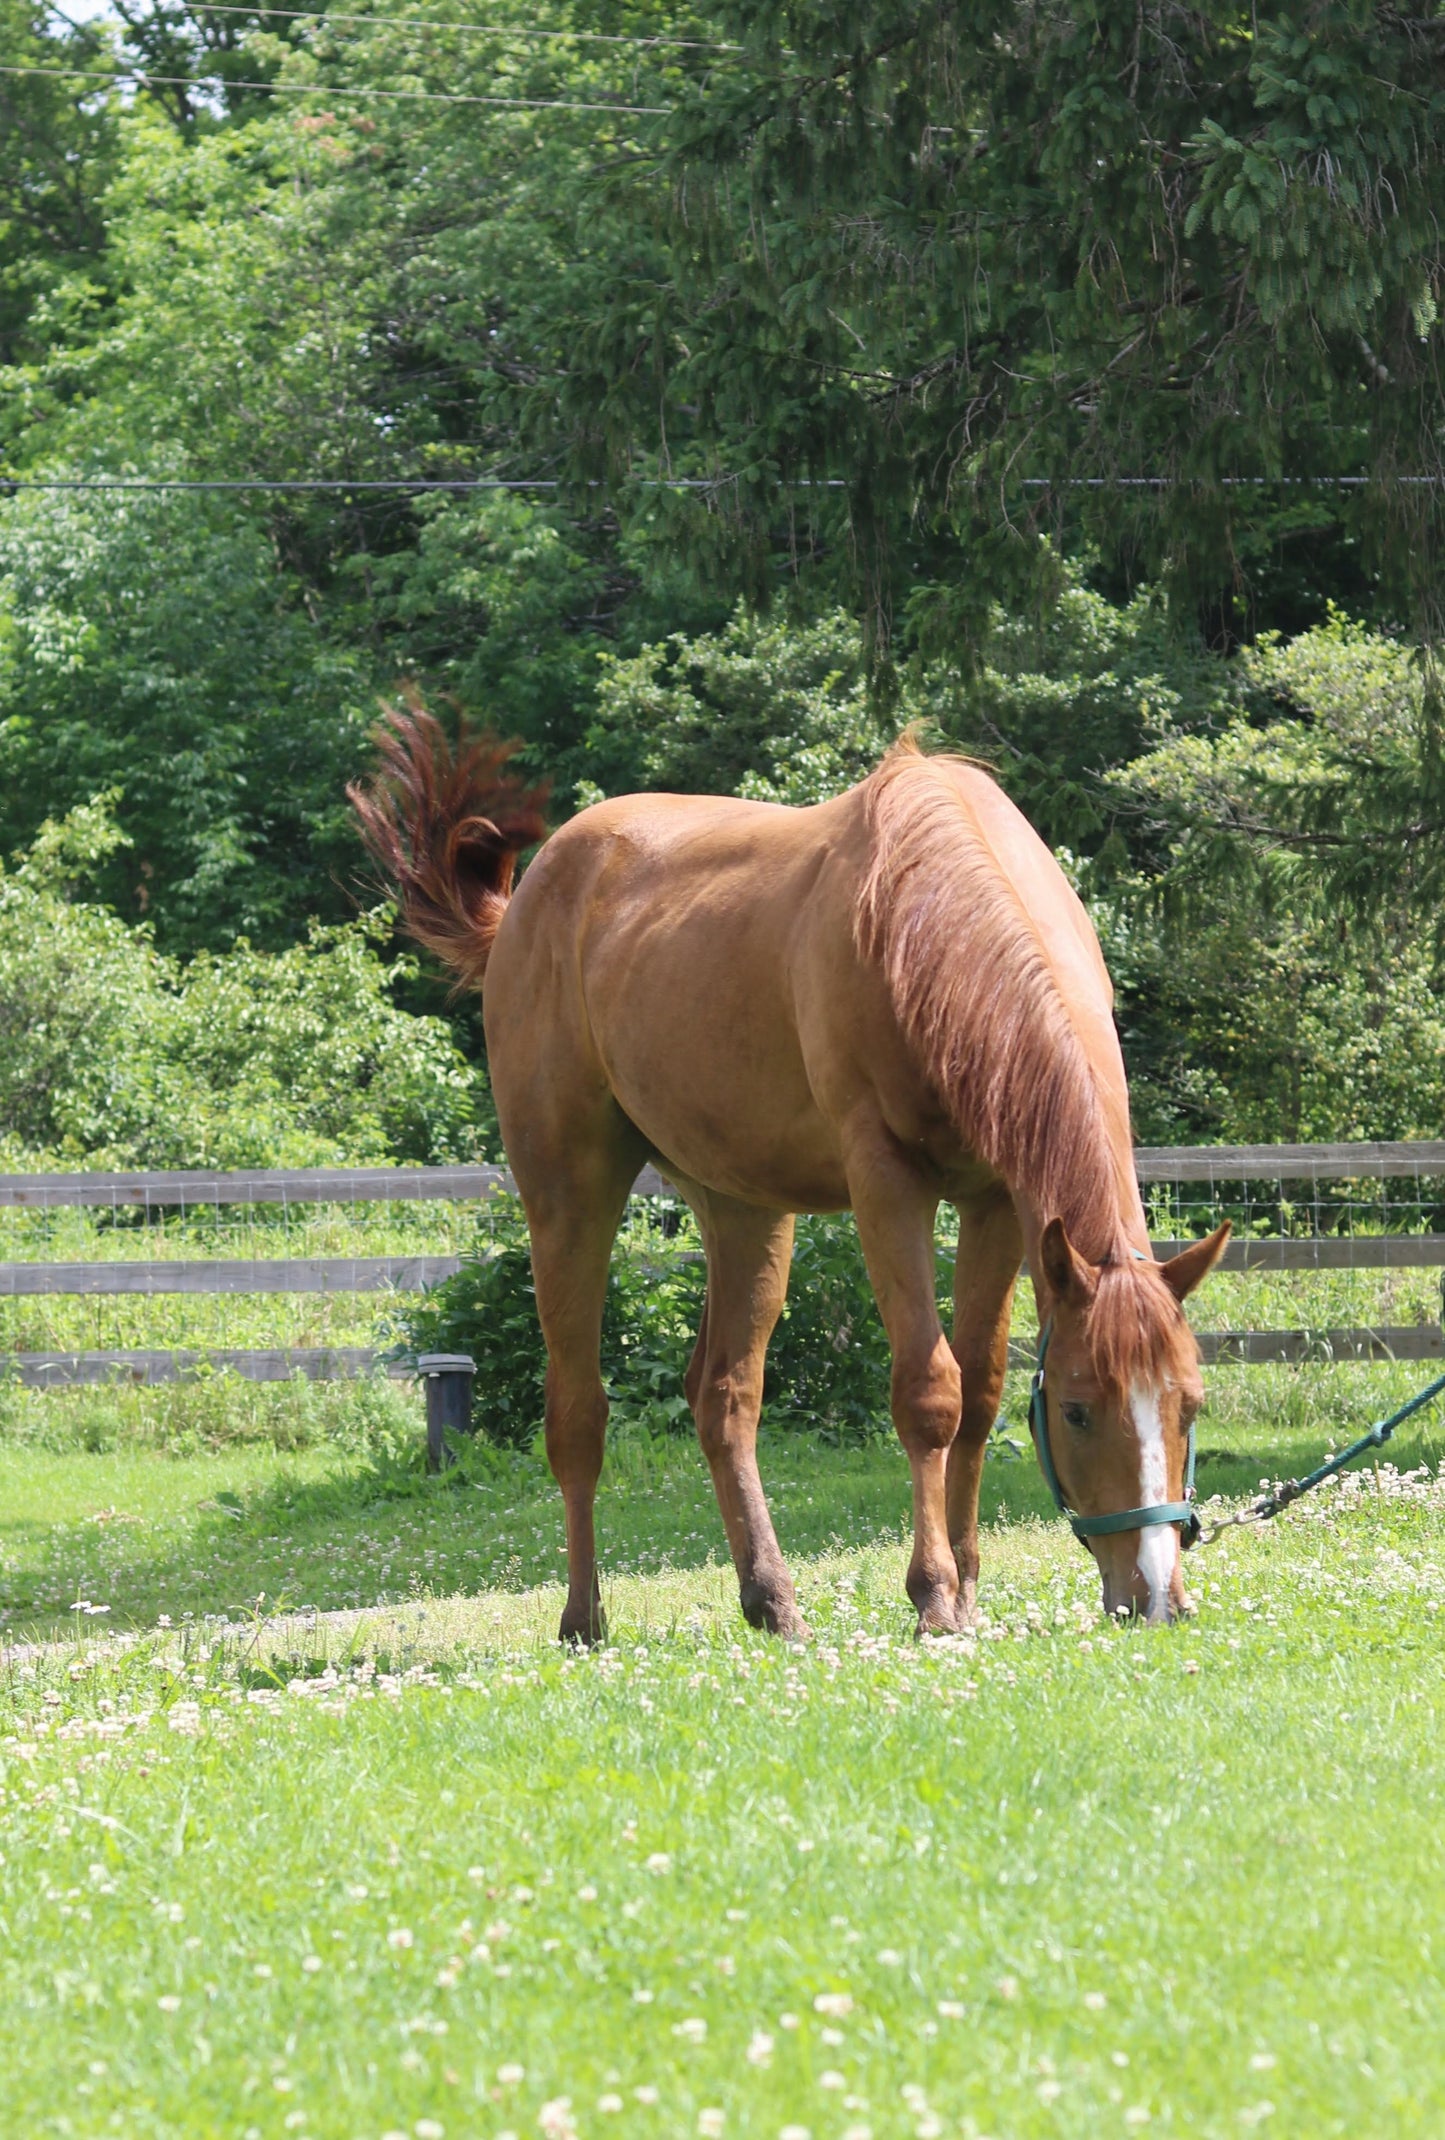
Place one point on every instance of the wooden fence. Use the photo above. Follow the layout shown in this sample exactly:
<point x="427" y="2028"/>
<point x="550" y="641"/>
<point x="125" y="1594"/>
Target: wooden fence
<point x="284" y="1187"/>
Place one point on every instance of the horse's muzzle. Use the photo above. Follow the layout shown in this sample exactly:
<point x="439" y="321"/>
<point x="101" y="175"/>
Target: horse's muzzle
<point x="1142" y="1575"/>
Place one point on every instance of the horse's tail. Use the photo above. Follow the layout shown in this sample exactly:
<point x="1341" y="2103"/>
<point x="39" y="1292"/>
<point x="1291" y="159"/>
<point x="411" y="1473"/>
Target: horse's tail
<point x="447" y="826"/>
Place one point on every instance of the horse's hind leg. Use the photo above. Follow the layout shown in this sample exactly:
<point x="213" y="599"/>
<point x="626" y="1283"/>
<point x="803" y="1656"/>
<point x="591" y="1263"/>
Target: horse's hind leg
<point x="573" y="1219"/>
<point x="748" y="1253"/>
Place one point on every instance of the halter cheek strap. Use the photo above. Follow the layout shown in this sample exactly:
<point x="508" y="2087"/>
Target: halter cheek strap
<point x="1126" y="1519"/>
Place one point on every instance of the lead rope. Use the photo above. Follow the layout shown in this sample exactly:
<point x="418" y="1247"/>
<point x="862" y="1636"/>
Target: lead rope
<point x="1280" y="1497"/>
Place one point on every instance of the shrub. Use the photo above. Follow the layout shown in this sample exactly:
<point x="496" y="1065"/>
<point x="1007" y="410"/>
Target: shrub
<point x="114" y="1053"/>
<point x="828" y="1364"/>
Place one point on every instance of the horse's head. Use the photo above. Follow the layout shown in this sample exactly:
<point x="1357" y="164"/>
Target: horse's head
<point x="1113" y="1410"/>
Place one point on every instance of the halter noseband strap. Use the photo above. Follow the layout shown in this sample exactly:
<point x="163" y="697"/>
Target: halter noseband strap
<point x="1127" y="1519"/>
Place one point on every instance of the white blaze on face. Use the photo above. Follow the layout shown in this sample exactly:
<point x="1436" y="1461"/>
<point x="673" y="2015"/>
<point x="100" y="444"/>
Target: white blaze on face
<point x="1158" y="1544"/>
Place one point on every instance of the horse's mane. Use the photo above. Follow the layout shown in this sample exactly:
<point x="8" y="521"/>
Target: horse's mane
<point x="979" y="1001"/>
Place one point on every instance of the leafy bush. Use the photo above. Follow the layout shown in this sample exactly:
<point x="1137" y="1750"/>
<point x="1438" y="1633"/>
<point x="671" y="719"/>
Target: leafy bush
<point x="114" y="1053"/>
<point x="776" y="711"/>
<point x="1278" y="968"/>
<point x="489" y="1309"/>
<point x="148" y="646"/>
<point x="828" y="1364"/>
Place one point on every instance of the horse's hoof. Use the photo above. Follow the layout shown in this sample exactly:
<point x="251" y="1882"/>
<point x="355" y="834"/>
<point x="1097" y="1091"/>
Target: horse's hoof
<point x="583" y="1631"/>
<point x="944" y="1615"/>
<point x="775" y="1615"/>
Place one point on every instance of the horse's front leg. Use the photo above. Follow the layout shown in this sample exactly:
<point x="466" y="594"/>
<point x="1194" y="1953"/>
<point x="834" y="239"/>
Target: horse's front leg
<point x="895" y="1214"/>
<point x="989" y="1249"/>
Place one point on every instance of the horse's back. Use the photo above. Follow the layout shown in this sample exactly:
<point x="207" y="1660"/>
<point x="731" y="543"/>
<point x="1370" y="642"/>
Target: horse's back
<point x="702" y="962"/>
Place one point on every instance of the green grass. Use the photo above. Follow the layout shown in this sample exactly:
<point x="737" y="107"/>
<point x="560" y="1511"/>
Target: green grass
<point x="110" y="1495"/>
<point x="412" y="1871"/>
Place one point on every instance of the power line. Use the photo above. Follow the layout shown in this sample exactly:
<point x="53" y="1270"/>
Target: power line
<point x="396" y="483"/>
<point x="482" y="29"/>
<point x="324" y="89"/>
<point x="1224" y="482"/>
<point x="521" y="483"/>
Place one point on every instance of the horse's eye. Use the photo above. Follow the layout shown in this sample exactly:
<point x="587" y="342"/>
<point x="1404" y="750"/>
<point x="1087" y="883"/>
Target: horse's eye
<point x="1077" y="1416"/>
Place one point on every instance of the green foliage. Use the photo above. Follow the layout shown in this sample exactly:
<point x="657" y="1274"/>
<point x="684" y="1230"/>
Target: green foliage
<point x="905" y="290"/>
<point x="55" y="159"/>
<point x="965" y="264"/>
<point x="489" y="1309"/>
<point x="776" y="711"/>
<point x="828" y="1364"/>
<point x="112" y="1052"/>
<point x="1278" y="963"/>
<point x="1076" y="686"/>
<point x="199" y="694"/>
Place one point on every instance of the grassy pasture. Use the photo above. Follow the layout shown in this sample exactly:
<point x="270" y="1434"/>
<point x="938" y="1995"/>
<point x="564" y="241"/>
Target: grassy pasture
<point x="409" y="1871"/>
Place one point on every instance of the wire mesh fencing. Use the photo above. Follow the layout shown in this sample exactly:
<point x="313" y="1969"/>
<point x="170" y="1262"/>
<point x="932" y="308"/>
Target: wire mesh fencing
<point x="1337" y="1252"/>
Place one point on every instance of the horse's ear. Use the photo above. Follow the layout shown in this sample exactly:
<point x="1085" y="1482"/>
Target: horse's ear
<point x="1182" y="1273"/>
<point x="1068" y="1277"/>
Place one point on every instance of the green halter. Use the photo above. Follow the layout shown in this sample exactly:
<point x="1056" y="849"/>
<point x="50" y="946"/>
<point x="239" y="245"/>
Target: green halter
<point x="1125" y="1519"/>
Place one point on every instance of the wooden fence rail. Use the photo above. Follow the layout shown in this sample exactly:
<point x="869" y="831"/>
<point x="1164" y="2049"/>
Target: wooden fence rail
<point x="376" y="1274"/>
<point x="369" y="1185"/>
<point x="283" y="1187"/>
<point x="280" y="1274"/>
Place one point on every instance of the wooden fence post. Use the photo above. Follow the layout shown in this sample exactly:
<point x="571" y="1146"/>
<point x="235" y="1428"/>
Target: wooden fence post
<point x="448" y="1378"/>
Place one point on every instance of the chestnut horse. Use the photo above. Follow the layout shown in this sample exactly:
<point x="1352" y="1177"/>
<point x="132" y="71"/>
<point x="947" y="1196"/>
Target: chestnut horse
<point x="886" y="1002"/>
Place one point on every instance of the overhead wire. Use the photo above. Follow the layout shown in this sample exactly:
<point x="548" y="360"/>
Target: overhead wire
<point x="322" y="16"/>
<point x="335" y="93"/>
<point x="12" y="484"/>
